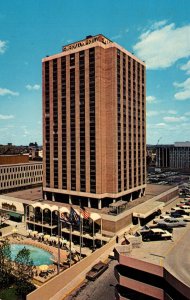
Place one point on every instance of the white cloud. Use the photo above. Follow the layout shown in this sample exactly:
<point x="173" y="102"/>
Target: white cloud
<point x="186" y="67"/>
<point x="162" y="47"/>
<point x="3" y="46"/>
<point x="4" y="92"/>
<point x="187" y="113"/>
<point x="184" y="93"/>
<point x="120" y="34"/>
<point x="6" y="117"/>
<point x="172" y="112"/>
<point x="158" y="24"/>
<point x="160" y="125"/>
<point x="156" y="126"/>
<point x="152" y="113"/>
<point x="151" y="99"/>
<point x="174" y="119"/>
<point x="34" y="87"/>
<point x="116" y="37"/>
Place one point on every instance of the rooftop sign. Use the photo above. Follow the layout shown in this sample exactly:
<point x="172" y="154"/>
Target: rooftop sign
<point x="87" y="41"/>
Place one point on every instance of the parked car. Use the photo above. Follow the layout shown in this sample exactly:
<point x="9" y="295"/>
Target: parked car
<point x="185" y="218"/>
<point x="145" y="228"/>
<point x="177" y="213"/>
<point x="165" y="227"/>
<point x="183" y="201"/>
<point x="172" y="222"/>
<point x="161" y="217"/>
<point x="156" y="234"/>
<point x="184" y="210"/>
<point x="162" y="226"/>
<point x="96" y="271"/>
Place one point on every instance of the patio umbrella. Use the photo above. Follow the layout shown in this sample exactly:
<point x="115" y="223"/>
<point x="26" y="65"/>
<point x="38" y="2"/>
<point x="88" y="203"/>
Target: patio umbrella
<point x="54" y="239"/>
<point x="63" y="241"/>
<point x="43" y="267"/>
<point x="34" y="232"/>
<point x="40" y="234"/>
<point x="68" y="244"/>
<point x="46" y="237"/>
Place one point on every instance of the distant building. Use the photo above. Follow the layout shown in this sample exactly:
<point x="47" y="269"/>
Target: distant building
<point x="10" y="149"/>
<point x="13" y="159"/>
<point x="94" y="124"/>
<point x="176" y="156"/>
<point x="19" y="175"/>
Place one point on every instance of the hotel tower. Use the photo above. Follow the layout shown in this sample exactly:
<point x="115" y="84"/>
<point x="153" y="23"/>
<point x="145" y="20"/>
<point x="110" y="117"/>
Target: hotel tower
<point x="94" y="124"/>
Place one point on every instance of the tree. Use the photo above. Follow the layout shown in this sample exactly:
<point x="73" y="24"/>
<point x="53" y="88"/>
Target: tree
<point x="24" y="272"/>
<point x="6" y="266"/>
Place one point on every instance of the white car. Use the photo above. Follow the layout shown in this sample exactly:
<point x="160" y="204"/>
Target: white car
<point x="172" y="222"/>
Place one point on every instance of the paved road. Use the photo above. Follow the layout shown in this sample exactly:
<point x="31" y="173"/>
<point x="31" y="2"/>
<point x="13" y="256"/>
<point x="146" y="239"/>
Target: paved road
<point x="102" y="288"/>
<point x="178" y="258"/>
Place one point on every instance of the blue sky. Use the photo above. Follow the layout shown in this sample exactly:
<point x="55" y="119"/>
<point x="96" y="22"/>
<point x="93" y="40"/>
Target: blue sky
<point x="155" y="31"/>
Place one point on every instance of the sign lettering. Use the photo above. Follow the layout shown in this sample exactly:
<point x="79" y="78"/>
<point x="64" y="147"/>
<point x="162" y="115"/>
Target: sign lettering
<point x="91" y="40"/>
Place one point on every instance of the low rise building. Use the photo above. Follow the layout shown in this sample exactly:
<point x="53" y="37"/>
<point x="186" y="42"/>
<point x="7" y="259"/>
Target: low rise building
<point x="176" y="156"/>
<point x="20" y="175"/>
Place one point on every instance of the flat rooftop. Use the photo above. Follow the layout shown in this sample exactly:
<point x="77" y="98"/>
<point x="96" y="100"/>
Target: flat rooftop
<point x="32" y="194"/>
<point x="35" y="194"/>
<point x="167" y="253"/>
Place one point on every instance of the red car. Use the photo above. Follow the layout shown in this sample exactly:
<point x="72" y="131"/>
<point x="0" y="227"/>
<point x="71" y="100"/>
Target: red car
<point x="96" y="271"/>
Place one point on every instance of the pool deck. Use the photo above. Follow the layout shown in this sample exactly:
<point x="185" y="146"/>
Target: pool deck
<point x="50" y="249"/>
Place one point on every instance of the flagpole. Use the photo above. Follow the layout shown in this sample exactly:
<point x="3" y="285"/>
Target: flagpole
<point x="82" y="233"/>
<point x="58" y="269"/>
<point x="93" y="233"/>
<point x="80" y="228"/>
<point x="70" y="243"/>
<point x="101" y="230"/>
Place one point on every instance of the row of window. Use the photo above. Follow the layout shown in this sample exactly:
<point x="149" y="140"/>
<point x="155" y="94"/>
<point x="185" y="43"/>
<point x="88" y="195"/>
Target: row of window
<point x="92" y="120"/>
<point x="131" y="97"/>
<point x="19" y="182"/>
<point x="20" y="169"/>
<point x="20" y="175"/>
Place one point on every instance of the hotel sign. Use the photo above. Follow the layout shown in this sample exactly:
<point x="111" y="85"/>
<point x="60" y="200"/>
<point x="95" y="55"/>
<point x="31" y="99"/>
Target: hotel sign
<point x="88" y="41"/>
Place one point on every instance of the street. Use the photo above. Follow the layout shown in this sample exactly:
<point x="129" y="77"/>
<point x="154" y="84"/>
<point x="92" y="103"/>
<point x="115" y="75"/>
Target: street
<point x="102" y="288"/>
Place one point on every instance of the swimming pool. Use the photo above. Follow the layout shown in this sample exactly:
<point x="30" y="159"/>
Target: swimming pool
<point x="38" y="255"/>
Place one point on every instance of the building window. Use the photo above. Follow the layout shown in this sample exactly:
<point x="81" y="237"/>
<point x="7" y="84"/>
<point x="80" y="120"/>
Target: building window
<point x="92" y="120"/>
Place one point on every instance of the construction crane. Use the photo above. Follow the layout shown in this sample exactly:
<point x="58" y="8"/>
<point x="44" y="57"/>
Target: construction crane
<point x="158" y="141"/>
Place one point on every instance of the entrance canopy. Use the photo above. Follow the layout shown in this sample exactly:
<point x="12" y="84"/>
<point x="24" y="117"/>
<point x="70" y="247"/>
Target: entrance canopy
<point x="146" y="209"/>
<point x="117" y="207"/>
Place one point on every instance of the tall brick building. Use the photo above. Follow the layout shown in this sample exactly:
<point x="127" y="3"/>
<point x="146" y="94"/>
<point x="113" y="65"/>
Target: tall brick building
<point x="94" y="124"/>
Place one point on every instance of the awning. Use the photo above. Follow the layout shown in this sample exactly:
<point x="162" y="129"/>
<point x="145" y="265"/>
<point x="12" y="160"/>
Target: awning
<point x="95" y="216"/>
<point x="118" y="204"/>
<point x="147" y="209"/>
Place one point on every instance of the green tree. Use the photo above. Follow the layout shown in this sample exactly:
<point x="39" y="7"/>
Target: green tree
<point x="6" y="265"/>
<point x="24" y="272"/>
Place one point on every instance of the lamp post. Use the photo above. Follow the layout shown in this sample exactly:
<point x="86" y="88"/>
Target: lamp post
<point x="59" y="230"/>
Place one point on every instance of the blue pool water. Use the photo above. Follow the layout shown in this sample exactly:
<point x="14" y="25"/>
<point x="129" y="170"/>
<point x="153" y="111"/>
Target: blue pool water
<point x="39" y="256"/>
